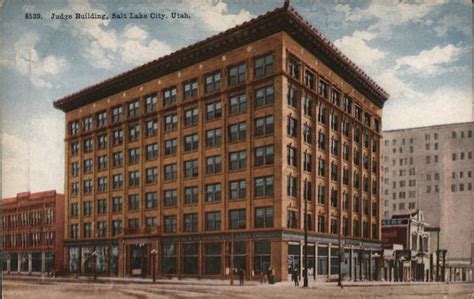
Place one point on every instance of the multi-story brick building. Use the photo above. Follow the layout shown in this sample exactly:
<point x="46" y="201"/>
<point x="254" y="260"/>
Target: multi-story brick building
<point x="431" y="169"/>
<point x="33" y="232"/>
<point x="222" y="143"/>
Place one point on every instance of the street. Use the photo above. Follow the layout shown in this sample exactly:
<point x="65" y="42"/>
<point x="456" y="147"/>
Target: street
<point x="36" y="288"/>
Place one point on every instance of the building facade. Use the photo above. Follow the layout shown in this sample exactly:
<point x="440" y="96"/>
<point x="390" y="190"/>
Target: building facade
<point x="431" y="169"/>
<point x="33" y="233"/>
<point x="203" y="161"/>
<point x="412" y="259"/>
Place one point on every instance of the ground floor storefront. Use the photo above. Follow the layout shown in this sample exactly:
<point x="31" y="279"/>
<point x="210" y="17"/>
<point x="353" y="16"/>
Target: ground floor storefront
<point x="28" y="262"/>
<point x="219" y="255"/>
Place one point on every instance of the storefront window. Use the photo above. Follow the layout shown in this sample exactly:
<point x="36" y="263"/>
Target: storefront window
<point x="239" y="254"/>
<point x="4" y="262"/>
<point x="293" y="258"/>
<point x="87" y="260"/>
<point x="322" y="260"/>
<point x="114" y="260"/>
<point x="24" y="260"/>
<point x="168" y="259"/>
<point x="101" y="262"/>
<point x="49" y="262"/>
<point x="14" y="262"/>
<point x="213" y="258"/>
<point x="190" y="258"/>
<point x="310" y="260"/>
<point x="36" y="261"/>
<point x="334" y="261"/>
<point x="74" y="259"/>
<point x="262" y="257"/>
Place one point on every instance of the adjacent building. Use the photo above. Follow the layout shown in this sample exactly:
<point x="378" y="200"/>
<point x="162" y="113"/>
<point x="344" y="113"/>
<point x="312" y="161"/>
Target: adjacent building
<point x="33" y="233"/>
<point x="431" y="169"/>
<point x="203" y="160"/>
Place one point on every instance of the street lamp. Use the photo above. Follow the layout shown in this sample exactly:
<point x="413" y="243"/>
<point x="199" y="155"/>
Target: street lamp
<point x="305" y="251"/>
<point x="94" y="260"/>
<point x="153" y="263"/>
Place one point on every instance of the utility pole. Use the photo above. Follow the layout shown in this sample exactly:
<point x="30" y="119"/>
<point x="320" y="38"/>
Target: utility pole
<point x="341" y="255"/>
<point x="232" y="259"/>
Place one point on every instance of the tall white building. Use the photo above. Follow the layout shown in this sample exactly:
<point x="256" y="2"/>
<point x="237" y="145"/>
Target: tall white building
<point x="432" y="168"/>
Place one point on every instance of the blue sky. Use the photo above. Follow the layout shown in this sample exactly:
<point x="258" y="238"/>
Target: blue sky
<point x="419" y="51"/>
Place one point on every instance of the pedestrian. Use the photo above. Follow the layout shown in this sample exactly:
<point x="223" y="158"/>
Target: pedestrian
<point x="270" y="275"/>
<point x="241" y="276"/>
<point x="294" y="277"/>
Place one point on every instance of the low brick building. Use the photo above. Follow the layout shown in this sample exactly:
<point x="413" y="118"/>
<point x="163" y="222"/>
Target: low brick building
<point x="33" y="232"/>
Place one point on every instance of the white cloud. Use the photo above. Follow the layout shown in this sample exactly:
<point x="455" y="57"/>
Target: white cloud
<point x="29" y="63"/>
<point x="433" y="62"/>
<point x="388" y="14"/>
<point x="453" y="22"/>
<point x="357" y="49"/>
<point x="104" y="47"/>
<point x="444" y="105"/>
<point x="45" y="158"/>
<point x="215" y="14"/>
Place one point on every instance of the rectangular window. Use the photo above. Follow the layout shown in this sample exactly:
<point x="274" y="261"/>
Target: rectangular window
<point x="191" y="142"/>
<point x="264" y="217"/>
<point x="171" y="198"/>
<point x="213" y="137"/>
<point x="101" y="119"/>
<point x="213" y="82"/>
<point x="191" y="117"/>
<point x="102" y="184"/>
<point x="133" y="132"/>
<point x="133" y="155"/>
<point x="74" y="127"/>
<point x="238" y="104"/>
<point x="151" y="200"/>
<point x="264" y="155"/>
<point x="170" y="224"/>
<point x="321" y="194"/>
<point x="291" y="220"/>
<point x="117" y="159"/>
<point x="292" y="128"/>
<point x="190" y="89"/>
<point x="117" y="114"/>
<point x="151" y="127"/>
<point x="237" y="189"/>
<point x="151" y="151"/>
<point x="323" y="89"/>
<point x="191" y="222"/>
<point x="102" y="141"/>
<point x="151" y="175"/>
<point x="291" y="186"/>
<point x="292" y="97"/>
<point x="169" y="96"/>
<point x="238" y="160"/>
<point x="264" y="96"/>
<point x="213" y="221"/>
<point x="171" y="172"/>
<point x="263" y="186"/>
<point x="263" y="65"/>
<point x="307" y="162"/>
<point x="170" y="147"/>
<point x="133" y="202"/>
<point x="309" y="79"/>
<point x="237" y="132"/>
<point x="117" y="137"/>
<point x="213" y="110"/>
<point x="237" y="74"/>
<point x="237" y="219"/>
<point x="191" y="168"/>
<point x="171" y="122"/>
<point x="264" y="126"/>
<point x="117" y="204"/>
<point x="88" y="145"/>
<point x="74" y="148"/>
<point x="133" y="108"/>
<point x="116" y="227"/>
<point x="213" y="164"/>
<point x="308" y="105"/>
<point x="191" y="195"/>
<point x="307" y="134"/>
<point x="213" y="192"/>
<point x="150" y="103"/>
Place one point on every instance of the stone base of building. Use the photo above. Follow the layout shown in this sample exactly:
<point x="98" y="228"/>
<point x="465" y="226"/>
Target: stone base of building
<point x="261" y="255"/>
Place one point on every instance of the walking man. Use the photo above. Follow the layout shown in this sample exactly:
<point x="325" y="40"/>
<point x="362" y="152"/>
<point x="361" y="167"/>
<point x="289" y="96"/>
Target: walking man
<point x="294" y="277"/>
<point x="241" y="276"/>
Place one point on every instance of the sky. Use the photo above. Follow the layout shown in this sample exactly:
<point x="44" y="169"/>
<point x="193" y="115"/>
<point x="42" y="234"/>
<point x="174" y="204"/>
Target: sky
<point x="418" y="51"/>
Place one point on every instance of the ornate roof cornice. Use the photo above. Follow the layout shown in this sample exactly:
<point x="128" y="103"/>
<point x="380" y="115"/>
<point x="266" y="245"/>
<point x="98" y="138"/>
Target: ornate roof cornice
<point x="284" y="19"/>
